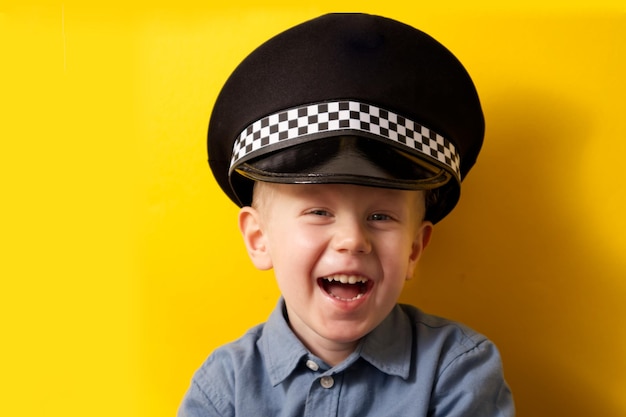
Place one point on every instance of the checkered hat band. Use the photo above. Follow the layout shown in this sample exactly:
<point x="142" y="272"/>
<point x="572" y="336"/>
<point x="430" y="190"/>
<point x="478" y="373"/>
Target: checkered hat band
<point x="344" y="116"/>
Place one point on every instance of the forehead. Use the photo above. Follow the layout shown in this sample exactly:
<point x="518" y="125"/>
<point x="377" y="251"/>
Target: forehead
<point x="265" y="193"/>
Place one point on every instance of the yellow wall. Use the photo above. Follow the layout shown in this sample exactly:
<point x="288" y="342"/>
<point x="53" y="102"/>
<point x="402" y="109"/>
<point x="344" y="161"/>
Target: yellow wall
<point x="120" y="264"/>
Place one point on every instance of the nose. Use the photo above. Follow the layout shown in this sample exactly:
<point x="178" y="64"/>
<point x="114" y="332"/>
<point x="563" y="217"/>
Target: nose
<point x="351" y="237"/>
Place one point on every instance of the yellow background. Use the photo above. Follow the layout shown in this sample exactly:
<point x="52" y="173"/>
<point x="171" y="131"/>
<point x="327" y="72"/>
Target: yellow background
<point x="120" y="264"/>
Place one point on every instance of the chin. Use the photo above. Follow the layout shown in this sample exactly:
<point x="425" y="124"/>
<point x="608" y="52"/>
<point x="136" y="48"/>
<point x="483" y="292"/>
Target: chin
<point x="346" y="333"/>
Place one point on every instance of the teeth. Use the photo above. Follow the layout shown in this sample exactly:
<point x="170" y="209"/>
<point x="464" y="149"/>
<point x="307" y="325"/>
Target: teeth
<point x="346" y="299"/>
<point x="346" y="279"/>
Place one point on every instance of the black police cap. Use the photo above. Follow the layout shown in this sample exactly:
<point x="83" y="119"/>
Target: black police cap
<point x="348" y="98"/>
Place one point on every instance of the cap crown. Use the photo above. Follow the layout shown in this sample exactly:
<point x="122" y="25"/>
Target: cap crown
<point x="357" y="57"/>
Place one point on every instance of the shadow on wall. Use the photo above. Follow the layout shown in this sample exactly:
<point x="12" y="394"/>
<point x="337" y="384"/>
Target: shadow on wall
<point x="515" y="262"/>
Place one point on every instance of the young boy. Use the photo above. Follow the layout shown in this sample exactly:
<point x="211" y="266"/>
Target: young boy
<point x="344" y="140"/>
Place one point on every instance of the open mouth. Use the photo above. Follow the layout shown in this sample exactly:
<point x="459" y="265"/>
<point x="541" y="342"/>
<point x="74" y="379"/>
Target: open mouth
<point x="345" y="287"/>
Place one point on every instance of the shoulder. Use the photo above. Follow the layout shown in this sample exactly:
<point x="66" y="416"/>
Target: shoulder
<point x="226" y="359"/>
<point x="465" y="366"/>
<point x="213" y="384"/>
<point x="434" y="332"/>
<point x="448" y="348"/>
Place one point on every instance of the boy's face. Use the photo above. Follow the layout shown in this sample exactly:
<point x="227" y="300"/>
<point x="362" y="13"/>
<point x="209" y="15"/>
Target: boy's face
<point x="340" y="254"/>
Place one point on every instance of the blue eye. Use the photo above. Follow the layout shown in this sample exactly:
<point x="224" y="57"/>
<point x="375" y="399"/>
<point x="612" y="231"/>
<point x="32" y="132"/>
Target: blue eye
<point x="379" y="217"/>
<point x="319" y="212"/>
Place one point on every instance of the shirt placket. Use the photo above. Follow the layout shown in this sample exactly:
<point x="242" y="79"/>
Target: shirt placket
<point x="323" y="397"/>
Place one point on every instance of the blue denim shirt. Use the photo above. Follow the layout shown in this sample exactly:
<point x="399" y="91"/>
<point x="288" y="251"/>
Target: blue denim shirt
<point x="412" y="364"/>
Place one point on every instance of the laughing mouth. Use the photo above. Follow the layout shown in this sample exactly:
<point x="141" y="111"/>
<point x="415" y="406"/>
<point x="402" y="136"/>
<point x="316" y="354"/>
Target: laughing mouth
<point x="345" y="287"/>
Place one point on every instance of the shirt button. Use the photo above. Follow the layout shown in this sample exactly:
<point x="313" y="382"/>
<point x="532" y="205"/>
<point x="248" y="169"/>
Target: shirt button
<point x="312" y="365"/>
<point x="327" y="382"/>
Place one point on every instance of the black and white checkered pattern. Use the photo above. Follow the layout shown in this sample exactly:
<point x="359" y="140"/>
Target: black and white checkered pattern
<point x="340" y="116"/>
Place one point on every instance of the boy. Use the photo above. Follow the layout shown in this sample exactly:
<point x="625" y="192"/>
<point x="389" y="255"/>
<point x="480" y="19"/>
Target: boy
<point x="344" y="140"/>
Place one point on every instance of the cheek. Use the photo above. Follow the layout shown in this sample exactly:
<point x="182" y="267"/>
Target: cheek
<point x="304" y="236"/>
<point x="293" y="244"/>
<point x="398" y="256"/>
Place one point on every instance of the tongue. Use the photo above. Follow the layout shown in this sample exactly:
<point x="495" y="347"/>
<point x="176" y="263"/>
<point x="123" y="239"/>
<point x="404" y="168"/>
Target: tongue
<point x="345" y="291"/>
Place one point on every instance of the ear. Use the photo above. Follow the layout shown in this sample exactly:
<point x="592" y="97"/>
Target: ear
<point x="254" y="238"/>
<point x="422" y="238"/>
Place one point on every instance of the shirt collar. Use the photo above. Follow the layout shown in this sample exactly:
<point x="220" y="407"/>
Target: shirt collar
<point x="387" y="347"/>
<point x="280" y="347"/>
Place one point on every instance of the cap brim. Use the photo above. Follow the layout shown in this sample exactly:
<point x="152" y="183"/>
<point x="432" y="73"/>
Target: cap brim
<point x="348" y="160"/>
